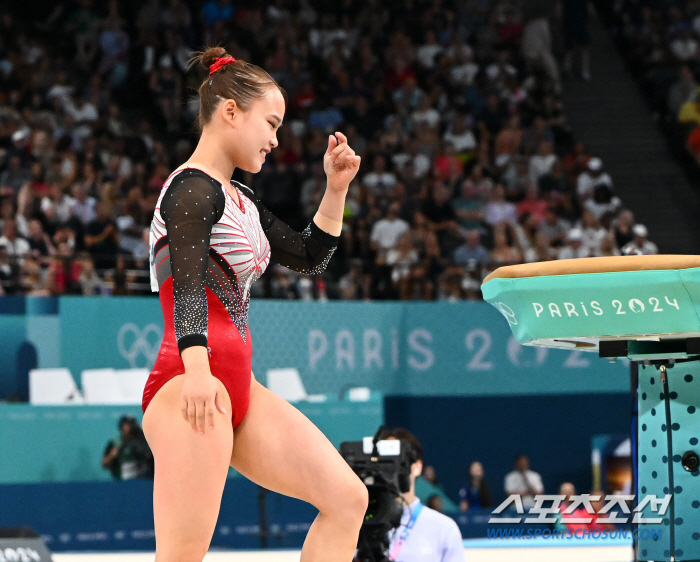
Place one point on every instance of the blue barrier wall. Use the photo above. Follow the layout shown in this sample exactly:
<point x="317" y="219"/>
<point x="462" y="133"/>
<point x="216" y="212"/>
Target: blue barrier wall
<point x="65" y="443"/>
<point x="119" y="516"/>
<point x="434" y="348"/>
<point x="555" y="431"/>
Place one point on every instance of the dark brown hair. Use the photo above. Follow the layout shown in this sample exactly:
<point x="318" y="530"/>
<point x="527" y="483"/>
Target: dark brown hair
<point x="240" y="81"/>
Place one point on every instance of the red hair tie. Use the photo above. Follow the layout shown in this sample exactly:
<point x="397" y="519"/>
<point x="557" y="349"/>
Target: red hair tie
<point x="220" y="63"/>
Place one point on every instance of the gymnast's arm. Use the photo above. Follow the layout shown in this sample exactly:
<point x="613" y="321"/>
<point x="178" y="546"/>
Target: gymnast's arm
<point x="306" y="252"/>
<point x="190" y="208"/>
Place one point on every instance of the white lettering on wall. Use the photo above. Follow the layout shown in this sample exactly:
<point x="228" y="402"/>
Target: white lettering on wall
<point x="318" y="345"/>
<point x="481" y="338"/>
<point x="395" y="348"/>
<point x="372" y="348"/>
<point x="415" y="343"/>
<point x="344" y="350"/>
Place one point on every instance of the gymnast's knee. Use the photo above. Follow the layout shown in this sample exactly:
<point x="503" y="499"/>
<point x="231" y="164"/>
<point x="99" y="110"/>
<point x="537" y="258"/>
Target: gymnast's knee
<point x="349" y="503"/>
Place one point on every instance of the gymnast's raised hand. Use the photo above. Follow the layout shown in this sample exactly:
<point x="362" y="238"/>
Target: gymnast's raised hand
<point x="340" y="162"/>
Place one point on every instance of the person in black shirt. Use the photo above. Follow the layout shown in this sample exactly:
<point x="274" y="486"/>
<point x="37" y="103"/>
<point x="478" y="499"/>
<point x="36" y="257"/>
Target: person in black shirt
<point x="101" y="239"/>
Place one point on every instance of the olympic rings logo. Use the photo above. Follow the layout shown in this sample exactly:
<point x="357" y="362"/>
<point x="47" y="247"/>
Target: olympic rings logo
<point x="133" y="343"/>
<point x="507" y="311"/>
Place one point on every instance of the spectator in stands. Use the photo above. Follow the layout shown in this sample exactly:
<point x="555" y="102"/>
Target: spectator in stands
<point x="353" y="285"/>
<point x="8" y="273"/>
<point x="469" y="206"/>
<point x="15" y="176"/>
<point x="475" y="494"/>
<point x="498" y="210"/>
<point x="102" y="238"/>
<point x="623" y="228"/>
<point x="556" y="180"/>
<point x="435" y="503"/>
<point x="90" y="282"/>
<point x="683" y="90"/>
<point x="387" y="231"/>
<point x="39" y="241"/>
<point x="402" y="260"/>
<point x="379" y="181"/>
<point x="15" y="245"/>
<point x="574" y="247"/>
<point x="469" y="86"/>
<point x="684" y="46"/>
<point x="432" y="535"/>
<point x="640" y="244"/>
<point x="592" y="233"/>
<point x="534" y="205"/>
<point x="603" y="202"/>
<point x="592" y="177"/>
<point x="438" y="210"/>
<point x="567" y="490"/>
<point x="505" y="250"/>
<point x="128" y="456"/>
<point x="689" y="112"/>
<point x="523" y="482"/>
<point x="542" y="162"/>
<point x="471" y="251"/>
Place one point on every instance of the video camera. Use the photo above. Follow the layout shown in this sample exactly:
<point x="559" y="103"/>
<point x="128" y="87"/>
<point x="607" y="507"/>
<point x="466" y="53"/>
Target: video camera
<point x="385" y="467"/>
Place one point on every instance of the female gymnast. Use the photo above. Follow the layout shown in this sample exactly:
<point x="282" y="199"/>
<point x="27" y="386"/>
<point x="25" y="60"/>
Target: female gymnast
<point x="203" y="409"/>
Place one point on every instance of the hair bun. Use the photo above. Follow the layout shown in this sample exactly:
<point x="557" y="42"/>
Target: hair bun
<point x="208" y="57"/>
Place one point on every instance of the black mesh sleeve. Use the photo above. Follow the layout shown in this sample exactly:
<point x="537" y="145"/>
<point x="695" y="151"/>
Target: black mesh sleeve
<point x="191" y="206"/>
<point x="306" y="252"/>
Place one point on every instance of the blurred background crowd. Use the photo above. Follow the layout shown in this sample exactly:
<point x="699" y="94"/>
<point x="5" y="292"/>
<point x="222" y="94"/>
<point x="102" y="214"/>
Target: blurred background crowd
<point x="454" y="105"/>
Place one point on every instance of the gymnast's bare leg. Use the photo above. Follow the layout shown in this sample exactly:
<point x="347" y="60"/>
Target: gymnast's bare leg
<point x="190" y="473"/>
<point x="277" y="447"/>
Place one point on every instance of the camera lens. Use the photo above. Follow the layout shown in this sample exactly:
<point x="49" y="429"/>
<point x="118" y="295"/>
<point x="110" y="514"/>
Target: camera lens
<point x="690" y="461"/>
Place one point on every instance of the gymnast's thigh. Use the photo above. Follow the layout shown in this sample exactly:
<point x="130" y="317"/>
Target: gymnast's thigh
<point x="190" y="473"/>
<point x="277" y="447"/>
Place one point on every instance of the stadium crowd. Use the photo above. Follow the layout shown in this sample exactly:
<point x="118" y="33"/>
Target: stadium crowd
<point x="661" y="43"/>
<point x="454" y="106"/>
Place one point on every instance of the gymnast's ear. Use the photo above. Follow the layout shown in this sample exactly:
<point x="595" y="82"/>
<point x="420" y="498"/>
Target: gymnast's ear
<point x="230" y="111"/>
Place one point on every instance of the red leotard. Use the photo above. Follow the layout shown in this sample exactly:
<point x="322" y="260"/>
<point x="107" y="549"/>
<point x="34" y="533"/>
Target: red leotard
<point x="205" y="252"/>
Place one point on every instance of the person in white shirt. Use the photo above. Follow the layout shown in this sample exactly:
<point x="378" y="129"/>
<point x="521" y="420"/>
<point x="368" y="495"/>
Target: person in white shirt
<point x="587" y="180"/>
<point x="426" y="113"/>
<point x="523" y="482"/>
<point x="16" y="246"/>
<point x="424" y="535"/>
<point x="387" y="231"/>
<point x="542" y="162"/>
<point x="426" y="53"/>
<point x="639" y="244"/>
<point x="575" y="248"/>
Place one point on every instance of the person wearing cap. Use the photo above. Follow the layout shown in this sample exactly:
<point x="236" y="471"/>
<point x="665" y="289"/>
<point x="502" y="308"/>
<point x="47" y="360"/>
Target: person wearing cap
<point x="575" y="247"/>
<point x="639" y="244"/>
<point x="593" y="176"/>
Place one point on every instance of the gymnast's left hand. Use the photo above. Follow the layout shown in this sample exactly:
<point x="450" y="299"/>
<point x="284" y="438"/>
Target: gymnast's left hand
<point x="340" y="162"/>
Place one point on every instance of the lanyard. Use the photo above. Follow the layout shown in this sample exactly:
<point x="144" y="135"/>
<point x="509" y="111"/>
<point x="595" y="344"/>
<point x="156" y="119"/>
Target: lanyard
<point x="393" y="555"/>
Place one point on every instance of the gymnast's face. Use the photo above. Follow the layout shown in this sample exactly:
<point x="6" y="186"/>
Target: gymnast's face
<point x="252" y="134"/>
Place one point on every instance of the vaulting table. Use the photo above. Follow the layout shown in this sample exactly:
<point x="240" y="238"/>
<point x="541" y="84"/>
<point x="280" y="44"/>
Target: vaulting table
<point x="645" y="309"/>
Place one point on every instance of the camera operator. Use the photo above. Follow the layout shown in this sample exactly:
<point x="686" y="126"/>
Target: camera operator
<point x="128" y="456"/>
<point x="424" y="534"/>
